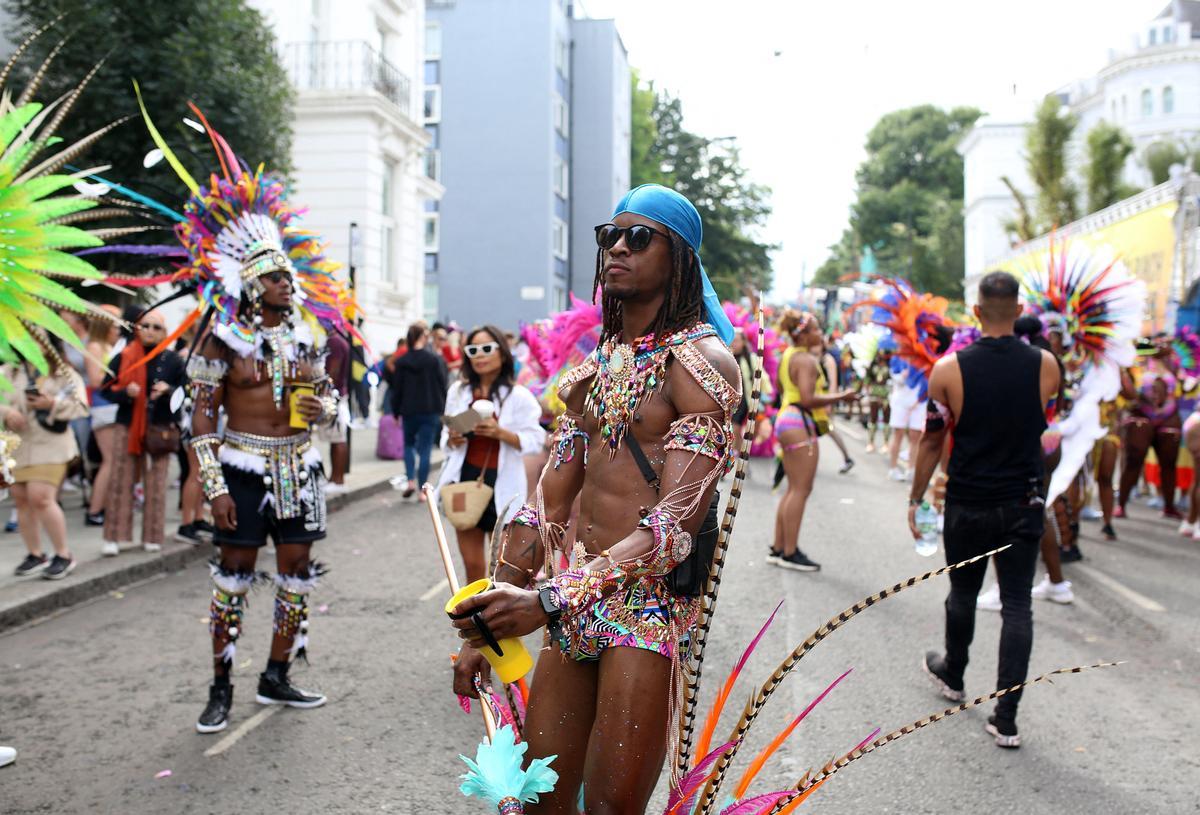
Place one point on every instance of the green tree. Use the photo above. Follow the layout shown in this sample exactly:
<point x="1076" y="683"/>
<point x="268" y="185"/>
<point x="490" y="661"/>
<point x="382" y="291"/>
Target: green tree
<point x="1161" y="156"/>
<point x="644" y="167"/>
<point x="1107" y="149"/>
<point x="1046" y="159"/>
<point x="219" y="54"/>
<point x="909" y="203"/>
<point x="710" y="174"/>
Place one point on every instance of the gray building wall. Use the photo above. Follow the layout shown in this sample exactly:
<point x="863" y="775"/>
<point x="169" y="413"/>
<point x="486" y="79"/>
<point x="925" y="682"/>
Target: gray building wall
<point x="600" y="139"/>
<point x="497" y="139"/>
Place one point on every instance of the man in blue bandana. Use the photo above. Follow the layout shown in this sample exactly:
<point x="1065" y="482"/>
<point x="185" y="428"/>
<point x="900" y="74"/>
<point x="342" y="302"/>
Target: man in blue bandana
<point x="646" y="435"/>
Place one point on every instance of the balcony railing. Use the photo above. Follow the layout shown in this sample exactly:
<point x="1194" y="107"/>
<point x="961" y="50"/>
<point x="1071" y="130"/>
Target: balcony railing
<point x="345" y="65"/>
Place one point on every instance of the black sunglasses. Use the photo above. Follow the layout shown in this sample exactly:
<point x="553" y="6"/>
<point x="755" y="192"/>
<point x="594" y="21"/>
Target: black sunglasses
<point x="637" y="237"/>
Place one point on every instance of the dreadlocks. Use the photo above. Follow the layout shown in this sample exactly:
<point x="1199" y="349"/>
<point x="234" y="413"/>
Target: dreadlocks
<point x="681" y="308"/>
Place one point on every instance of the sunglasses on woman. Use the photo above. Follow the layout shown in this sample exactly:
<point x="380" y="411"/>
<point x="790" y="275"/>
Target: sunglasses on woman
<point x="482" y="349"/>
<point x="637" y="237"/>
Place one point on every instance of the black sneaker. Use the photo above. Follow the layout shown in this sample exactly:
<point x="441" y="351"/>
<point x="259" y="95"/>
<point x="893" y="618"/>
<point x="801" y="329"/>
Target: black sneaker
<point x="204" y="529"/>
<point x="935" y="668"/>
<point x="59" y="568"/>
<point x="1004" y="731"/>
<point x="1108" y="532"/>
<point x="187" y="534"/>
<point x="1070" y="555"/>
<point x="846" y="467"/>
<point x="32" y="565"/>
<point x="798" y="561"/>
<point x="93" y="518"/>
<point x="275" y="689"/>
<point x="215" y="717"/>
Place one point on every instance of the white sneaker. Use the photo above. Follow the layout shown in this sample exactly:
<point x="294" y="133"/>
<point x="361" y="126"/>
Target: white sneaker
<point x="335" y="489"/>
<point x="1090" y="514"/>
<point x="897" y="474"/>
<point x="152" y="547"/>
<point x="7" y="756"/>
<point x="1054" y="592"/>
<point x="904" y="455"/>
<point x="1155" y="503"/>
<point x="110" y="549"/>
<point x="990" y="599"/>
<point x="70" y="485"/>
<point x="1187" y="530"/>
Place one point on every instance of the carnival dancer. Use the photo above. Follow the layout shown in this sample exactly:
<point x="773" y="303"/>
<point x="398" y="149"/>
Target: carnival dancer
<point x="802" y="420"/>
<point x="1153" y="421"/>
<point x="992" y="397"/>
<point x="268" y="299"/>
<point x="644" y="440"/>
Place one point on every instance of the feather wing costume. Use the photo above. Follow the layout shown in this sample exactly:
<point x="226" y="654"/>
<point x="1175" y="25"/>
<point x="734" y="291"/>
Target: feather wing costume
<point x="1091" y="297"/>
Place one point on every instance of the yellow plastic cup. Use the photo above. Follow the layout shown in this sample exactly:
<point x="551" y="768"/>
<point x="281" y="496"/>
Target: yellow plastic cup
<point x="296" y="420"/>
<point x="513" y="660"/>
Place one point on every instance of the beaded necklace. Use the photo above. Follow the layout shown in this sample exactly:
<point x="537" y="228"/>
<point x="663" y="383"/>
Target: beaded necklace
<point x="628" y="374"/>
<point x="281" y="344"/>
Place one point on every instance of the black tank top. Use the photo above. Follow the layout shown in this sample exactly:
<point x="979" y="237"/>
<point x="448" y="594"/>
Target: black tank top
<point x="997" y="454"/>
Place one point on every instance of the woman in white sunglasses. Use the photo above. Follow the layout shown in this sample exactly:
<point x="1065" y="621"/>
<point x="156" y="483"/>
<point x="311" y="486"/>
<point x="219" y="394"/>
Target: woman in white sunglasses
<point x="494" y="449"/>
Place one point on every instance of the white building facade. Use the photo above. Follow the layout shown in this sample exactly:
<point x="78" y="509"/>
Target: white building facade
<point x="1151" y="91"/>
<point x="359" y="145"/>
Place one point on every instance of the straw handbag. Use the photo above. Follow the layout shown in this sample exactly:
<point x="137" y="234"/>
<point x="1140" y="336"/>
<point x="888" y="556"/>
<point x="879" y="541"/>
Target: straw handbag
<point x="464" y="503"/>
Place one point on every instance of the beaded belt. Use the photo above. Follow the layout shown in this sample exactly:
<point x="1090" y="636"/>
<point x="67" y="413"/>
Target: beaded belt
<point x="283" y="462"/>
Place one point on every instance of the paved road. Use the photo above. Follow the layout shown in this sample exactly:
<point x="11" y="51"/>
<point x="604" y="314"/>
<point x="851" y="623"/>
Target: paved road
<point x="102" y="698"/>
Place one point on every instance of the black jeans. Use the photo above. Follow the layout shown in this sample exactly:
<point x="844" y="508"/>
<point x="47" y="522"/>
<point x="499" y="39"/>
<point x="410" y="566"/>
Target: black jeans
<point x="973" y="530"/>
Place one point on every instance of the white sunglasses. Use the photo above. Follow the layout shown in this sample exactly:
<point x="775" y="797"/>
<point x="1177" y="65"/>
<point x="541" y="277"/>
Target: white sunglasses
<point x="483" y="349"/>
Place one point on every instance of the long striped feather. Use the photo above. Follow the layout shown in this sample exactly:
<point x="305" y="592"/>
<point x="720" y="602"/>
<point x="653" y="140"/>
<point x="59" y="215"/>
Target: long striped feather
<point x="806" y="783"/>
<point x="756" y="703"/>
<point x="708" y="603"/>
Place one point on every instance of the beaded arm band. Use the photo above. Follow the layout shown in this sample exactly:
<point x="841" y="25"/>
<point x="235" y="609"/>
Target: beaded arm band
<point x="699" y="433"/>
<point x="563" y="440"/>
<point x="212" y="479"/>
<point x="205" y="377"/>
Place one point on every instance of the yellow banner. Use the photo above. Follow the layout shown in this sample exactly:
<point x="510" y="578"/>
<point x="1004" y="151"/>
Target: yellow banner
<point x="1145" y="242"/>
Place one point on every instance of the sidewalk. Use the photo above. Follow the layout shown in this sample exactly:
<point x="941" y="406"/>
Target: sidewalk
<point x="29" y="599"/>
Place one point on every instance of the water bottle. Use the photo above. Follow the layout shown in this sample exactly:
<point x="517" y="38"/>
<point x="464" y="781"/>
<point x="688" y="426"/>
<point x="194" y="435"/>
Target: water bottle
<point x="927" y="518"/>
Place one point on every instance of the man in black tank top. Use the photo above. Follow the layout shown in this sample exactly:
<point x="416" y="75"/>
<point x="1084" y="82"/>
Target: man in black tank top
<point x="990" y="398"/>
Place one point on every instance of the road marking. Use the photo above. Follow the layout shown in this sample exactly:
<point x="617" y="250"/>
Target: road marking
<point x="246" y="726"/>
<point x="1121" y="589"/>
<point x="435" y="590"/>
<point x="857" y="435"/>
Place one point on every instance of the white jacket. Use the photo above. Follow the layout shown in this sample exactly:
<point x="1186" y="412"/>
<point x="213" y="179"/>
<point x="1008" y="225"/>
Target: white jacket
<point x="519" y="413"/>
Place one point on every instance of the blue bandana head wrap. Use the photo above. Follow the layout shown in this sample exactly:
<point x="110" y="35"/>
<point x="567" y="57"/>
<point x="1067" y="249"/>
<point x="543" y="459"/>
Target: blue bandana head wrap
<point x="675" y="212"/>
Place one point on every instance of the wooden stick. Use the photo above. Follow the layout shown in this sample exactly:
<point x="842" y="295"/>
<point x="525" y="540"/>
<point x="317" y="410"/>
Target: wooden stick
<point x="489" y="721"/>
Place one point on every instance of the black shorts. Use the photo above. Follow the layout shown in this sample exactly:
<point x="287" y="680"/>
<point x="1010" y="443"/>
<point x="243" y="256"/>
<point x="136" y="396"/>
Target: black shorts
<point x="256" y="521"/>
<point x="487" y="521"/>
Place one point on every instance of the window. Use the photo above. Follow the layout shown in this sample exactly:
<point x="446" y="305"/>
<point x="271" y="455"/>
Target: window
<point x="385" y="192"/>
<point x="1154" y="36"/>
<point x="559" y="238"/>
<point x="431" y="205"/>
<point x="562" y="116"/>
<point x="431" y="263"/>
<point x="562" y="182"/>
<point x="1168" y="102"/>
<point x="560" y="299"/>
<point x="434" y="135"/>
<point x="431" y="302"/>
<point x="1168" y="33"/>
<point x="431" y="231"/>
<point x="562" y="56"/>
<point x="433" y="163"/>
<point x="433" y="40"/>
<point x="1147" y="103"/>
<point x="433" y="72"/>
<point x="433" y="103"/>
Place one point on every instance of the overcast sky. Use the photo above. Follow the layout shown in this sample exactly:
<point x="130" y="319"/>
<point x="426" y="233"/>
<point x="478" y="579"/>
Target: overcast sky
<point x="801" y="117"/>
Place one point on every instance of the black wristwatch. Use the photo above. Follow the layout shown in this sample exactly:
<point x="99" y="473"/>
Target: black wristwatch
<point x="550" y="604"/>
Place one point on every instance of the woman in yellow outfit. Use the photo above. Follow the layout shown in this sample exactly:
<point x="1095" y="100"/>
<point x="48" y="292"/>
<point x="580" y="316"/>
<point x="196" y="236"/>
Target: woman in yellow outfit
<point x="802" y="420"/>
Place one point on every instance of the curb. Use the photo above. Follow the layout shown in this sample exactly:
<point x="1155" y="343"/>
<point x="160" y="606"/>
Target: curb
<point x="173" y="558"/>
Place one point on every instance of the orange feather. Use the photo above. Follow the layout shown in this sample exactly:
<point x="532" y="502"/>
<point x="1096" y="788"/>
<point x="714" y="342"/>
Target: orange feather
<point x="799" y="799"/>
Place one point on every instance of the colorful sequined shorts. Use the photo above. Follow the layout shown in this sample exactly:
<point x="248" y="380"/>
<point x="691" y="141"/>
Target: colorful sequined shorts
<point x="639" y="617"/>
<point x="795" y="417"/>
